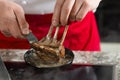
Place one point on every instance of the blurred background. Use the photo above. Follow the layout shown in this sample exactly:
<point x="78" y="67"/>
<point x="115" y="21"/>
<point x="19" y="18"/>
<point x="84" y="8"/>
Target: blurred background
<point x="108" y="20"/>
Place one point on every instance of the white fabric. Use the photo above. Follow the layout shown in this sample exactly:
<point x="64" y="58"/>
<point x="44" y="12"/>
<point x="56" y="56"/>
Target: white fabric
<point x="36" y="6"/>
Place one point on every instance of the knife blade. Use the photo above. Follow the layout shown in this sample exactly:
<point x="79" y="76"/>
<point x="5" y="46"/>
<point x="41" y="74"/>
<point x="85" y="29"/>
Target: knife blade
<point x="4" y="75"/>
<point x="31" y="37"/>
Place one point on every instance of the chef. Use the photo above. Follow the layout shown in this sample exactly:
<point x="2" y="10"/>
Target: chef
<point x="18" y="17"/>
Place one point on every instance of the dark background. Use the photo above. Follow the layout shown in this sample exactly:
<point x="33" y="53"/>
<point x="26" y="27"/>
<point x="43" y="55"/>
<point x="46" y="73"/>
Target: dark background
<point x="108" y="20"/>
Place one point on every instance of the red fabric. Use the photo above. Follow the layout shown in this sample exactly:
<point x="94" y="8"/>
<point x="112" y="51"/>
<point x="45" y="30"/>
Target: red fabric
<point x="82" y="35"/>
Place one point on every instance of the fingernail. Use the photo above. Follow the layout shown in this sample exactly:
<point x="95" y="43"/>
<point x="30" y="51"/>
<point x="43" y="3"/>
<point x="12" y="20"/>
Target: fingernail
<point x="63" y="24"/>
<point x="25" y="31"/>
<point x="54" y="23"/>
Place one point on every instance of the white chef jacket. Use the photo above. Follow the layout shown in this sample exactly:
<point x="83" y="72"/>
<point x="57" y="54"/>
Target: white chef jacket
<point x="36" y="6"/>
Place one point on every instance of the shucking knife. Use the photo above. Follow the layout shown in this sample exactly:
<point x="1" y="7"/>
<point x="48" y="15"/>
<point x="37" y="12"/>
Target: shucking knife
<point x="31" y="37"/>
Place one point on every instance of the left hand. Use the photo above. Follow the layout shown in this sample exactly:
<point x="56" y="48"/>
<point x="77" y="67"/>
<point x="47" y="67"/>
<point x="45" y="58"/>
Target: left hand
<point x="73" y="10"/>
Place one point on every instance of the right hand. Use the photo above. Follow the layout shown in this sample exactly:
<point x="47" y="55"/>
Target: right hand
<point x="12" y="20"/>
<point x="72" y="10"/>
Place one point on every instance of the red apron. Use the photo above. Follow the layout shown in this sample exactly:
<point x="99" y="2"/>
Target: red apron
<point x="82" y="35"/>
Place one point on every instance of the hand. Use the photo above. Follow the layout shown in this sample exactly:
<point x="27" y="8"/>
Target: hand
<point x="73" y="10"/>
<point x="12" y="19"/>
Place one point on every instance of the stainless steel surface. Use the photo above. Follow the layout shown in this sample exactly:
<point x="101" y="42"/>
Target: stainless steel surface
<point x="31" y="38"/>
<point x="4" y="75"/>
<point x="81" y="57"/>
